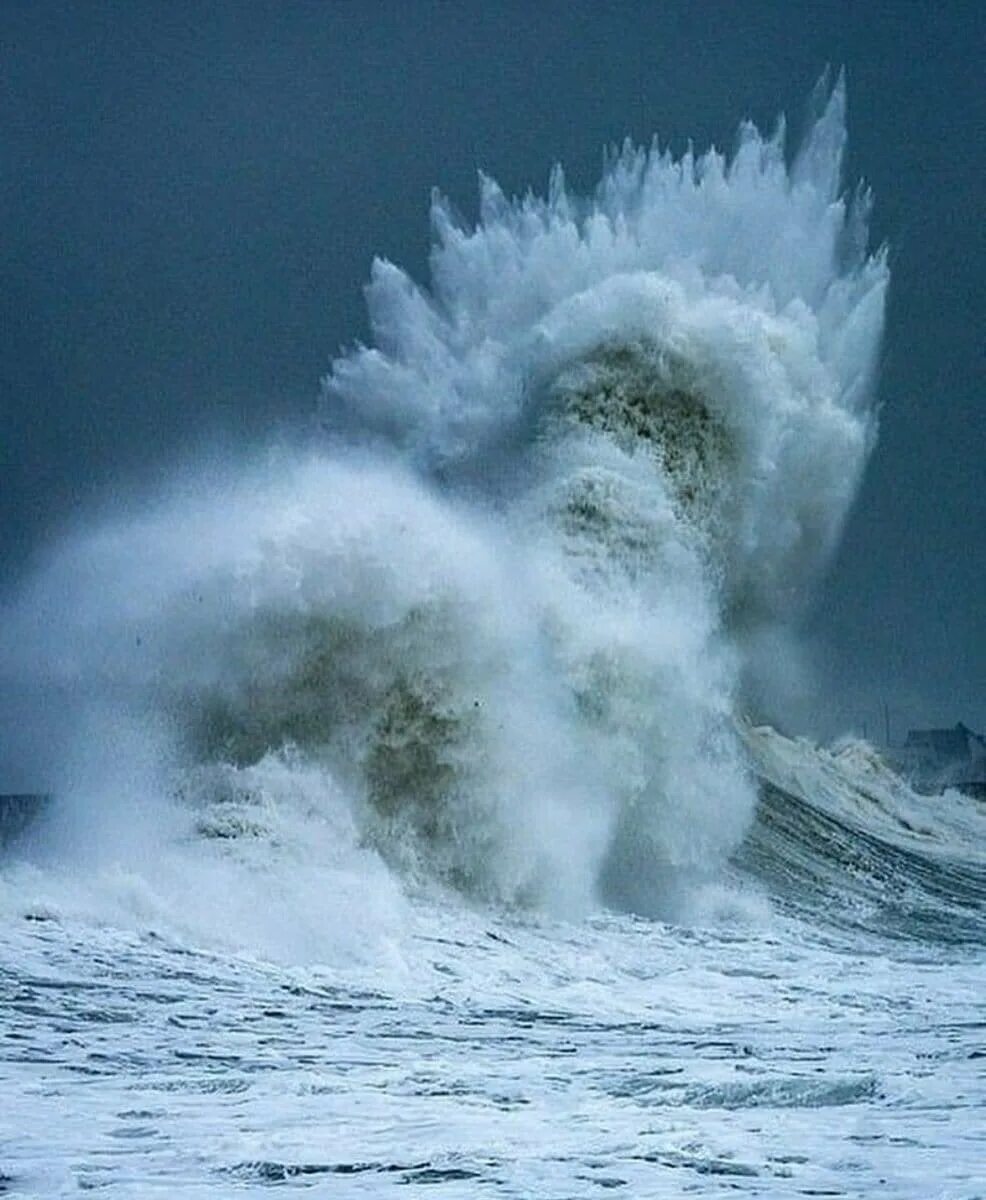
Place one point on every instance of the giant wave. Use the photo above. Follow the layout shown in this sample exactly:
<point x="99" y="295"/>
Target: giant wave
<point x="493" y="631"/>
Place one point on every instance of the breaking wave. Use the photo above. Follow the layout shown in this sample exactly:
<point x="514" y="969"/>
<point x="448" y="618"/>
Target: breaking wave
<point x="493" y="630"/>
<point x="840" y="836"/>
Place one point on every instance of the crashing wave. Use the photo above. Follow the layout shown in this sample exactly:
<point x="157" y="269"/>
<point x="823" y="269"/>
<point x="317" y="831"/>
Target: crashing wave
<point x="507" y="605"/>
<point x="840" y="834"/>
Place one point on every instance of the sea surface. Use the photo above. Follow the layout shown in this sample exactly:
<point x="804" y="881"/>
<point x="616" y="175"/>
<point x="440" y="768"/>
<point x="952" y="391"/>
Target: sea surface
<point x="824" y="1036"/>
<point x="415" y="824"/>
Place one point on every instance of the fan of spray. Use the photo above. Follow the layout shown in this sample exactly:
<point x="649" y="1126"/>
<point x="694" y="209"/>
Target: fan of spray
<point x="505" y="608"/>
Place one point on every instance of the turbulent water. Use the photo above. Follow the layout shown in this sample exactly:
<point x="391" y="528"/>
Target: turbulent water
<point x="411" y="825"/>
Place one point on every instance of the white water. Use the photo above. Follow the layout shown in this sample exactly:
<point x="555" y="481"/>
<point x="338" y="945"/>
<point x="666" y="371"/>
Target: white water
<point x="503" y="614"/>
<point x="399" y="726"/>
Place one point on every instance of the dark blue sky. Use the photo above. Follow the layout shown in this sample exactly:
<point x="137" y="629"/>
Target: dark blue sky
<point x="191" y="195"/>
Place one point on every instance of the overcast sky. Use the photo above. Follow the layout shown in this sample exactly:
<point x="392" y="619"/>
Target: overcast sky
<point x="191" y="195"/>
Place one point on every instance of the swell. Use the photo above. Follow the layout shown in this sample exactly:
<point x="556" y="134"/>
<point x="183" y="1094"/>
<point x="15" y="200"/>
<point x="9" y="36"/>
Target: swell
<point x="840" y="840"/>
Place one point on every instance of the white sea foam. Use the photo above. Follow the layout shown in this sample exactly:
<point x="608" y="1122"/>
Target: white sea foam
<point x="492" y="641"/>
<point x="493" y="631"/>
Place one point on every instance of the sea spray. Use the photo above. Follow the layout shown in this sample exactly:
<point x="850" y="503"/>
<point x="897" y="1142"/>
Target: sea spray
<point x="503" y="611"/>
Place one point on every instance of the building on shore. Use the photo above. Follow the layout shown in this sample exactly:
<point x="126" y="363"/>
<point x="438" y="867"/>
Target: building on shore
<point x="935" y="759"/>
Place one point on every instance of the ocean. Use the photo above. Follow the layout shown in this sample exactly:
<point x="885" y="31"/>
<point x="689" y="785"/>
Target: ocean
<point x="415" y="822"/>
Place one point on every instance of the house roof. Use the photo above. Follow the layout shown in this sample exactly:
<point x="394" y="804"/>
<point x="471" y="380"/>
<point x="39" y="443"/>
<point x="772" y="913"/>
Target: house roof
<point x="948" y="744"/>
